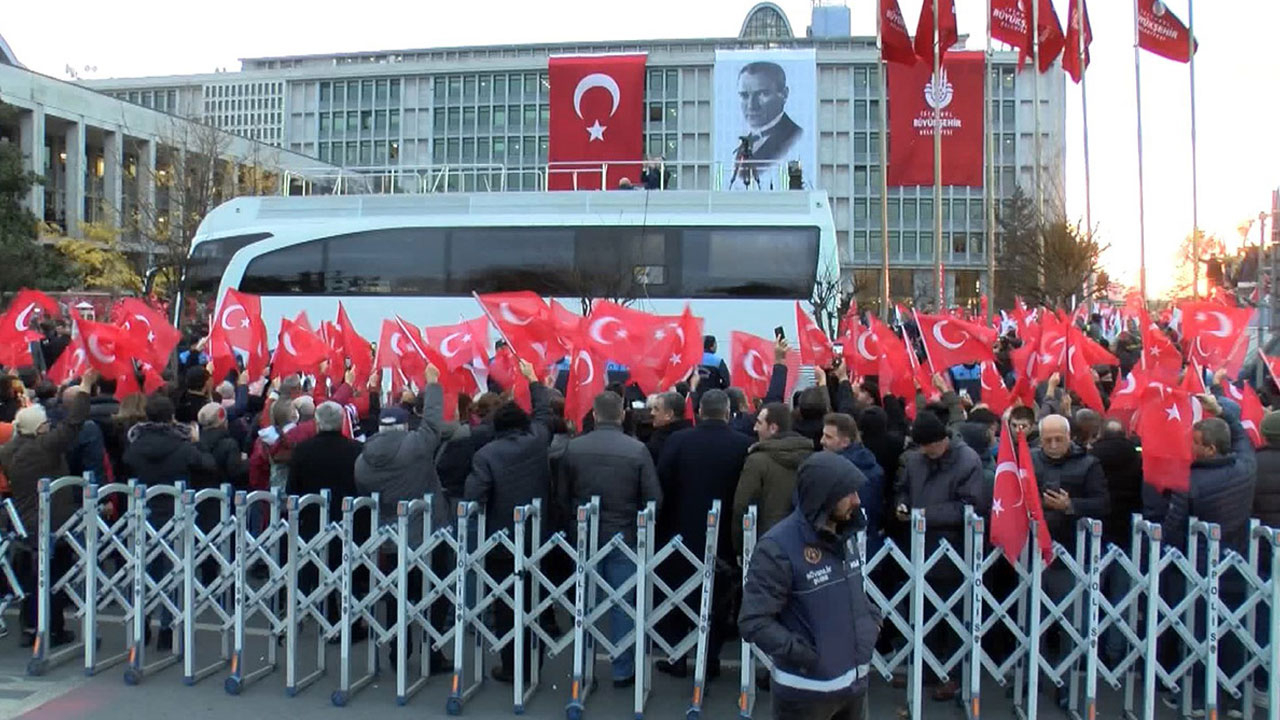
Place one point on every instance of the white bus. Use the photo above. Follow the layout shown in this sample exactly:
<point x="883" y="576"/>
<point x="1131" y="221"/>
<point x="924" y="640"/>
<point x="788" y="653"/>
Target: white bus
<point x="740" y="259"/>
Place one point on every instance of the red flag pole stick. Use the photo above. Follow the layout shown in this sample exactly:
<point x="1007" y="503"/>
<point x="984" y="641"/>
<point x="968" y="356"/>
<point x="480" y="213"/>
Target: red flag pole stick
<point x="933" y="370"/>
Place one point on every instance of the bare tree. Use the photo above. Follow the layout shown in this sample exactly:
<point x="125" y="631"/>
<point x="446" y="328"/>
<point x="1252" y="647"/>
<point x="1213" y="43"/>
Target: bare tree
<point x="1043" y="258"/>
<point x="829" y="302"/>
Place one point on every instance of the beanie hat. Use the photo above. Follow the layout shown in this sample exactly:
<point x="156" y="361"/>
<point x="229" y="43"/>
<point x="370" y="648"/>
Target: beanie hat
<point x="1271" y="428"/>
<point x="928" y="429"/>
<point x="29" y="419"/>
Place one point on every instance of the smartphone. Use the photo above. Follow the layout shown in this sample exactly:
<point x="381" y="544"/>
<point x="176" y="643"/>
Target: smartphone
<point x="838" y="349"/>
<point x="779" y="333"/>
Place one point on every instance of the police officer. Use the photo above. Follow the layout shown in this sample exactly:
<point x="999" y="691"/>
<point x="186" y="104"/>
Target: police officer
<point x="803" y="602"/>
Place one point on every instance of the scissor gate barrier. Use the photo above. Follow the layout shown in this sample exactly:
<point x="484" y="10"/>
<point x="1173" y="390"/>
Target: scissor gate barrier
<point x="234" y="575"/>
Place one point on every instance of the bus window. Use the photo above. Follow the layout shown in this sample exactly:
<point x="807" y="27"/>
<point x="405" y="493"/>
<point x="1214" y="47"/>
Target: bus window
<point x="209" y="260"/>
<point x="295" y="269"/>
<point x="508" y="259"/>
<point x="611" y="262"/>
<point x="394" y="261"/>
<point x="748" y="262"/>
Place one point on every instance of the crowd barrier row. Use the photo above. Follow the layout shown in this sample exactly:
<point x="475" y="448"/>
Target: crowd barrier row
<point x="253" y="573"/>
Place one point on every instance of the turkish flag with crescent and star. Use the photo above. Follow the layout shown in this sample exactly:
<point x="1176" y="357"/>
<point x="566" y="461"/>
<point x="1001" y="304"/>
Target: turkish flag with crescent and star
<point x="525" y="323"/>
<point x="949" y="341"/>
<point x="1161" y="32"/>
<point x="752" y="363"/>
<point x="815" y="347"/>
<point x="1166" y="415"/>
<point x="1031" y="495"/>
<point x="619" y="333"/>
<point x="994" y="394"/>
<point x="1251" y="411"/>
<point x="587" y="378"/>
<point x="597" y="120"/>
<point x="1009" y="521"/>
<point x="109" y="349"/>
<point x="71" y="364"/>
<point x="297" y="350"/>
<point x="913" y="94"/>
<point x="1217" y="335"/>
<point x="460" y="344"/>
<point x="151" y="329"/>
<point x="356" y="348"/>
<point x="16" y="334"/>
<point x="238" y="330"/>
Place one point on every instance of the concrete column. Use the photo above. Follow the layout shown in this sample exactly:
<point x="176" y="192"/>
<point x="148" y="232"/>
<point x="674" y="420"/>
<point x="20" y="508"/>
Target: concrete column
<point x="31" y="128"/>
<point x="113" y="176"/>
<point x="73" y="183"/>
<point x="146" y="180"/>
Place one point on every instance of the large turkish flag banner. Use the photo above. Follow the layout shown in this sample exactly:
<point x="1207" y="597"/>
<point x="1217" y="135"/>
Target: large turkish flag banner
<point x="597" y="120"/>
<point x="958" y="93"/>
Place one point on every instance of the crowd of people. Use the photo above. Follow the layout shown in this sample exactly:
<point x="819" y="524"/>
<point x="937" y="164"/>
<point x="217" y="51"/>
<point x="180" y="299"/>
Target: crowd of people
<point x="835" y="458"/>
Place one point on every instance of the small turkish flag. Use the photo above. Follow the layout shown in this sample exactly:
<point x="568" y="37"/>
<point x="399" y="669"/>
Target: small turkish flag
<point x="1251" y="411"/>
<point x="597" y="120"/>
<point x="815" y="347"/>
<point x="619" y="333"/>
<point x="460" y="344"/>
<point x="525" y="322"/>
<point x="994" y="394"/>
<point x="148" y="328"/>
<point x="71" y="364"/>
<point x="751" y="365"/>
<point x="1031" y="496"/>
<point x="356" y="348"/>
<point x="238" y="330"/>
<point x="110" y="350"/>
<point x="1161" y="32"/>
<point x="16" y="334"/>
<point x="895" y="43"/>
<point x="587" y="378"/>
<point x="1217" y="335"/>
<point x="1009" y="521"/>
<point x="1164" y="424"/>
<point x="297" y="350"/>
<point x="950" y="341"/>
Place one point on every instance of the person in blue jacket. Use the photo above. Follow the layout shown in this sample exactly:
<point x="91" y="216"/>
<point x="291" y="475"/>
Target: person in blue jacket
<point x="803" y="602"/>
<point x="840" y="435"/>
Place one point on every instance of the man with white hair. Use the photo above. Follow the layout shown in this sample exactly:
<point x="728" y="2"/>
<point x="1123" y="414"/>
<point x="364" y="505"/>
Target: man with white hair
<point x="1072" y="486"/>
<point x="215" y="439"/>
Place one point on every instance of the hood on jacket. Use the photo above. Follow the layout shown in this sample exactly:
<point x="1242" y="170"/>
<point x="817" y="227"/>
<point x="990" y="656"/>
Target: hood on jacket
<point x="975" y="436"/>
<point x="156" y="441"/>
<point x="788" y="449"/>
<point x="821" y="482"/>
<point x="861" y="457"/>
<point x="381" y="450"/>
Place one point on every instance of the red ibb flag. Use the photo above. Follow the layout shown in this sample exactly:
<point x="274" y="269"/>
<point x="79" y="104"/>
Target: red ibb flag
<point x="948" y="32"/>
<point x="1075" y="56"/>
<point x="1011" y="24"/>
<point x="597" y="118"/>
<point x="1161" y="32"/>
<point x="895" y="43"/>
<point x="957" y="93"/>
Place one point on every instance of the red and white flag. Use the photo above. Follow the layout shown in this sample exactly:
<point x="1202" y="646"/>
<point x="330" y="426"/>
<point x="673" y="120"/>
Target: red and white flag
<point x="356" y="348"/>
<point x="109" y="350"/>
<point x="949" y="341"/>
<point x="957" y="92"/>
<point x="1217" y="335"/>
<point x="238" y="330"/>
<point x="815" y="346"/>
<point x="862" y="351"/>
<point x="148" y="328"/>
<point x="297" y="350"/>
<point x="1009" y="521"/>
<point x="895" y="43"/>
<point x="619" y="333"/>
<point x="597" y="118"/>
<point x="948" y="31"/>
<point x="894" y="366"/>
<point x="1011" y="24"/>
<point x="16" y="333"/>
<point x="1075" y="54"/>
<point x="525" y="322"/>
<point x="1251" y="411"/>
<point x="71" y="364"/>
<point x="1164" y="424"/>
<point x="1161" y="32"/>
<point x="587" y="378"/>
<point x="460" y="344"/>
<point x="994" y="394"/>
<point x="751" y="365"/>
<point x="1031" y="496"/>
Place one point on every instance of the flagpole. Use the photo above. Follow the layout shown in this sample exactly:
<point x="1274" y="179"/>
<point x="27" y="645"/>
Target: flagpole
<point x="1084" y="112"/>
<point x="1195" y="186"/>
<point x="927" y="355"/>
<point x="1035" y="118"/>
<point x="884" y="168"/>
<point x="989" y="184"/>
<point x="1142" y="219"/>
<point x="937" y="166"/>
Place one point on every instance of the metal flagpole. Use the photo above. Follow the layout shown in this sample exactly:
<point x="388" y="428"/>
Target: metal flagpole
<point x="989" y="184"/>
<point x="1195" y="186"/>
<point x="938" y="277"/>
<point x="1035" y="115"/>
<point x="884" y="169"/>
<point x="1084" y="112"/>
<point x="1142" y="219"/>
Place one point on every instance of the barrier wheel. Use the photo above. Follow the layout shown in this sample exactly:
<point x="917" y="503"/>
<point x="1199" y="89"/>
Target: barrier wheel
<point x="339" y="698"/>
<point x="453" y="706"/>
<point x="132" y="676"/>
<point x="232" y="685"/>
<point x="37" y="666"/>
<point x="573" y="712"/>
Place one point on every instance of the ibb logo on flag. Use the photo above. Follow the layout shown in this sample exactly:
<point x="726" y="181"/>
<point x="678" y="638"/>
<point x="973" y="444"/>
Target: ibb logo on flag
<point x="938" y="92"/>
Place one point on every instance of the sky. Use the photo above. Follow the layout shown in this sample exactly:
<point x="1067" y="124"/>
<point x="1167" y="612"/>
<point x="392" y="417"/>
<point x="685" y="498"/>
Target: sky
<point x="1236" y="74"/>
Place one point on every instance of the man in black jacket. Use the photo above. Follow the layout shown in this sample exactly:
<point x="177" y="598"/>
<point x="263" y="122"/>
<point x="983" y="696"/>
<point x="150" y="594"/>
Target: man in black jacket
<point x="231" y="467"/>
<point x="803" y="602"/>
<point x="38" y="451"/>
<point x="608" y="464"/>
<point x="668" y="419"/>
<point x="162" y="452"/>
<point x="699" y="466"/>
<point x="512" y="471"/>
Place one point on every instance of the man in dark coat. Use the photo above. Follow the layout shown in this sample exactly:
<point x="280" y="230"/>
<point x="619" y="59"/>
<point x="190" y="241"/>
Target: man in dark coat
<point x="37" y="451"/>
<point x="939" y="477"/>
<point x="231" y="467"/>
<point x="803" y="602"/>
<point x="768" y="478"/>
<point x="509" y="472"/>
<point x="840" y="436"/>
<point x="616" y="468"/>
<point x="1266" y="495"/>
<point x="668" y="419"/>
<point x="698" y="466"/>
<point x="1121" y="463"/>
<point x="163" y="452"/>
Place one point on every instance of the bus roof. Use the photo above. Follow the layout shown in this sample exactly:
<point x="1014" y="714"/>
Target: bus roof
<point x="606" y="207"/>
